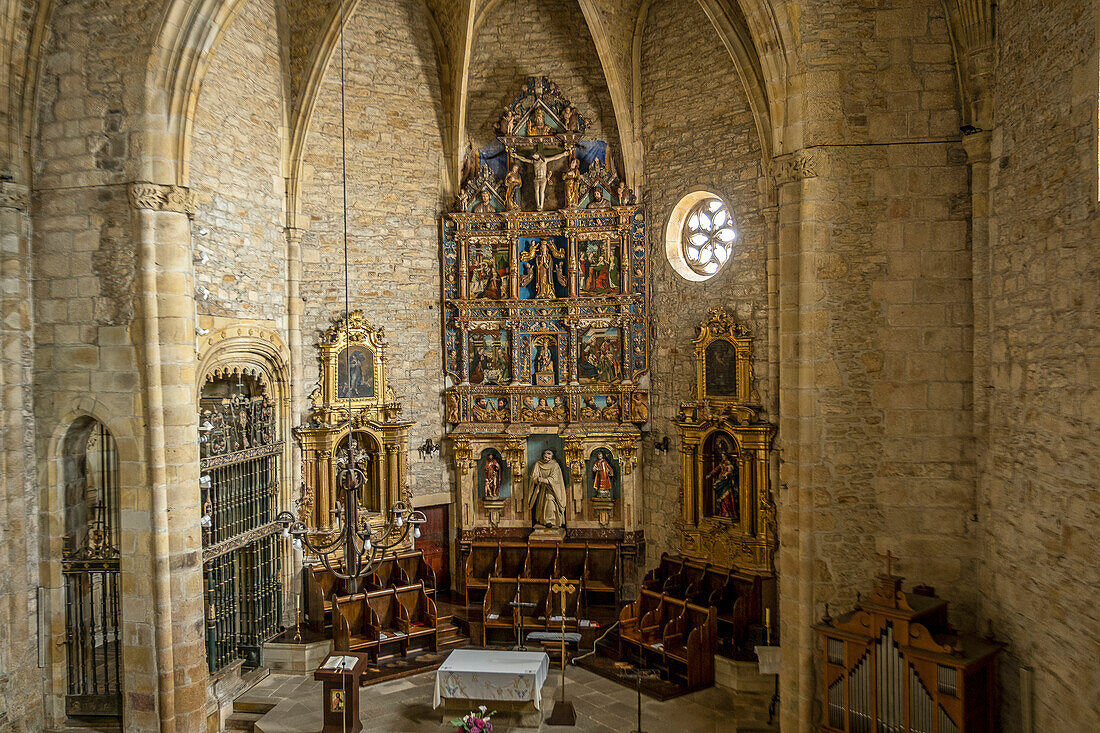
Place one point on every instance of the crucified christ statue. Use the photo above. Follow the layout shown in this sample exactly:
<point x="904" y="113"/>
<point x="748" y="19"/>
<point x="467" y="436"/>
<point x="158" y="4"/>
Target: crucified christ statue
<point x="542" y="174"/>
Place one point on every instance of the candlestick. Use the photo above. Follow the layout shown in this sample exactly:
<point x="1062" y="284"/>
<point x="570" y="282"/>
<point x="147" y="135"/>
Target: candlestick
<point x="768" y="624"/>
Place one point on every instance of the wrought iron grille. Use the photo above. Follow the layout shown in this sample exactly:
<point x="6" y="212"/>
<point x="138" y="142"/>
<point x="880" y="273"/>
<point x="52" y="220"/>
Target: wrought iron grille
<point x="241" y="545"/>
<point x="91" y="571"/>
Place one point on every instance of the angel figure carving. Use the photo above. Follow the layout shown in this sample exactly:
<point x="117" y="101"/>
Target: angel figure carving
<point x="543" y="252"/>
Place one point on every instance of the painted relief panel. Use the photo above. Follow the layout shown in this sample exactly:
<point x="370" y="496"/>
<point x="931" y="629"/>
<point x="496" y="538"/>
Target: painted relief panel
<point x="488" y="266"/>
<point x="601" y="356"/>
<point x="490" y="361"/>
<point x="599" y="267"/>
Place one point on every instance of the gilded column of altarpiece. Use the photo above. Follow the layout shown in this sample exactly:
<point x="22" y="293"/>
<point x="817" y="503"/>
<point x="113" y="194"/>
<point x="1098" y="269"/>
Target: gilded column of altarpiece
<point x="353" y="381"/>
<point x="545" y="328"/>
<point x="728" y="512"/>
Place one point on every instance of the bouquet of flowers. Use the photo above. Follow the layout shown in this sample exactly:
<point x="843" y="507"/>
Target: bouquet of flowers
<point x="476" y="721"/>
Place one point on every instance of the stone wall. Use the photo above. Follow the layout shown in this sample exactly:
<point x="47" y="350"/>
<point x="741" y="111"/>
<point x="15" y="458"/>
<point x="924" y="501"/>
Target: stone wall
<point x="1039" y="503"/>
<point x="523" y="38"/>
<point x="394" y="179"/>
<point x="875" y="325"/>
<point x="236" y="148"/>
<point x="86" y="359"/>
<point x="699" y="134"/>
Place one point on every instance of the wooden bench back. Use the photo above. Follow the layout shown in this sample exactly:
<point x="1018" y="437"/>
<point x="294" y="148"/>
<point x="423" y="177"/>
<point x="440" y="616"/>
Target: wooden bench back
<point x="512" y="559"/>
<point x="541" y="561"/>
<point x="482" y="560"/>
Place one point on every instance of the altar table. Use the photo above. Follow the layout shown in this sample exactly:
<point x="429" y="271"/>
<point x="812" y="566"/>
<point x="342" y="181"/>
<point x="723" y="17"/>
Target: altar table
<point x="489" y="675"/>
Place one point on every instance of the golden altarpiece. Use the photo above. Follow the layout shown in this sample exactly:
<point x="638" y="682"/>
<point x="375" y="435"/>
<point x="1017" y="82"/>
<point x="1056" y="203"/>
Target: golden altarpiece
<point x="353" y="378"/>
<point x="546" y="335"/>
<point x="728" y="513"/>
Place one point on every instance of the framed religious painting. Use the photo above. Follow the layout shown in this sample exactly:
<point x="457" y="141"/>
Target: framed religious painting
<point x="353" y="353"/>
<point x="723" y="358"/>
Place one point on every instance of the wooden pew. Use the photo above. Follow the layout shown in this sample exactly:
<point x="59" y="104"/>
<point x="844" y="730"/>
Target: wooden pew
<point x="418" y="616"/>
<point x="385" y="621"/>
<point x="352" y="629"/>
<point x="541" y="561"/>
<point x="670" y="565"/>
<point x="479" y="566"/>
<point x="495" y="611"/>
<point x="412" y="569"/>
<point x="511" y="561"/>
<point x="321" y="590"/>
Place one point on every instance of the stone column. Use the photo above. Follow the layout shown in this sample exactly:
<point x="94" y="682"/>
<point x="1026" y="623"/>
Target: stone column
<point x="167" y="346"/>
<point x="977" y="154"/>
<point x="20" y="688"/>
<point x="801" y="189"/>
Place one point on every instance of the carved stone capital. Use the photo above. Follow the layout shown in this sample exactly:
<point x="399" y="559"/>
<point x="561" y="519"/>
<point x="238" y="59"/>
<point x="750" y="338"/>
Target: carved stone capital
<point x="162" y="197"/>
<point x="799" y="165"/>
<point x="977" y="147"/>
<point x="13" y="196"/>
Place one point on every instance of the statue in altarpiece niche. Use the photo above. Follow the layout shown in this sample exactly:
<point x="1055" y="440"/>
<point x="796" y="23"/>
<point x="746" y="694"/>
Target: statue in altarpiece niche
<point x="492" y="477"/>
<point x="602" y="475"/>
<point x="543" y="252"/>
<point x="547" y="493"/>
<point x="572" y="179"/>
<point x="512" y="183"/>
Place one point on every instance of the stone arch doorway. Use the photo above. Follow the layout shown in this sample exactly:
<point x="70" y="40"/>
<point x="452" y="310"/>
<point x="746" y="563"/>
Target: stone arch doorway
<point x="90" y="568"/>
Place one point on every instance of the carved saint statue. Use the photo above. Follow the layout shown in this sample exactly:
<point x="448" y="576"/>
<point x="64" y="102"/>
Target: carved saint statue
<point x="543" y="252"/>
<point x="624" y="193"/>
<point x="462" y="202"/>
<point x="602" y="474"/>
<point x="542" y="174"/>
<point x="572" y="179"/>
<point x="571" y="119"/>
<point x="546" y="499"/>
<point x="486" y="206"/>
<point x="512" y="183"/>
<point x="492" y="477"/>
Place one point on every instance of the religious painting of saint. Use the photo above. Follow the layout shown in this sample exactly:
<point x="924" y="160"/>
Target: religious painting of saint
<point x="548" y="410"/>
<point x="598" y="263"/>
<point x="601" y="355"/>
<point x="721" y="369"/>
<point x="355" y="380"/>
<point x="484" y="409"/>
<point x="488" y="267"/>
<point x="721" y="485"/>
<point x="493" y="479"/>
<point x="544" y="361"/>
<point x="602" y="470"/>
<point x="489" y="358"/>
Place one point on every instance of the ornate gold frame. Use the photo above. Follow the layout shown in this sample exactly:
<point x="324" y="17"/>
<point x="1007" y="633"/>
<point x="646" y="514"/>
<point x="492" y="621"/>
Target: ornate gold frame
<point x="720" y="326"/>
<point x="351" y="331"/>
<point x="749" y="542"/>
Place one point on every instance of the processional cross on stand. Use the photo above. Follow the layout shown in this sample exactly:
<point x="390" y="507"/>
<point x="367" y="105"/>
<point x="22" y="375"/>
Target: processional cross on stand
<point x="563" y="714"/>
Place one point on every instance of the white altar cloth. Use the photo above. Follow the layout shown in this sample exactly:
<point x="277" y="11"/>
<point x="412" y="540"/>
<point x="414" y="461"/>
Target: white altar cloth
<point x="476" y="674"/>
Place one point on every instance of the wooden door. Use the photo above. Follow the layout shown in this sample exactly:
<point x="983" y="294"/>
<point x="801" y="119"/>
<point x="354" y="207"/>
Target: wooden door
<point x="435" y="543"/>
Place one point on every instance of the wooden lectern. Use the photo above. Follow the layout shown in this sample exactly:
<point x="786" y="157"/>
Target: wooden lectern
<point x="340" y="672"/>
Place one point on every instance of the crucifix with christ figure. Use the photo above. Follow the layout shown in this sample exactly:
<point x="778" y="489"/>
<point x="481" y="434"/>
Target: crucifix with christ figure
<point x="563" y="714"/>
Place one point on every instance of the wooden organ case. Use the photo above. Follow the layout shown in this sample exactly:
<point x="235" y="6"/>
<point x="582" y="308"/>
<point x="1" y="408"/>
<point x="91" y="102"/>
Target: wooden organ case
<point x="546" y="333"/>
<point x="353" y="376"/>
<point x="895" y="664"/>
